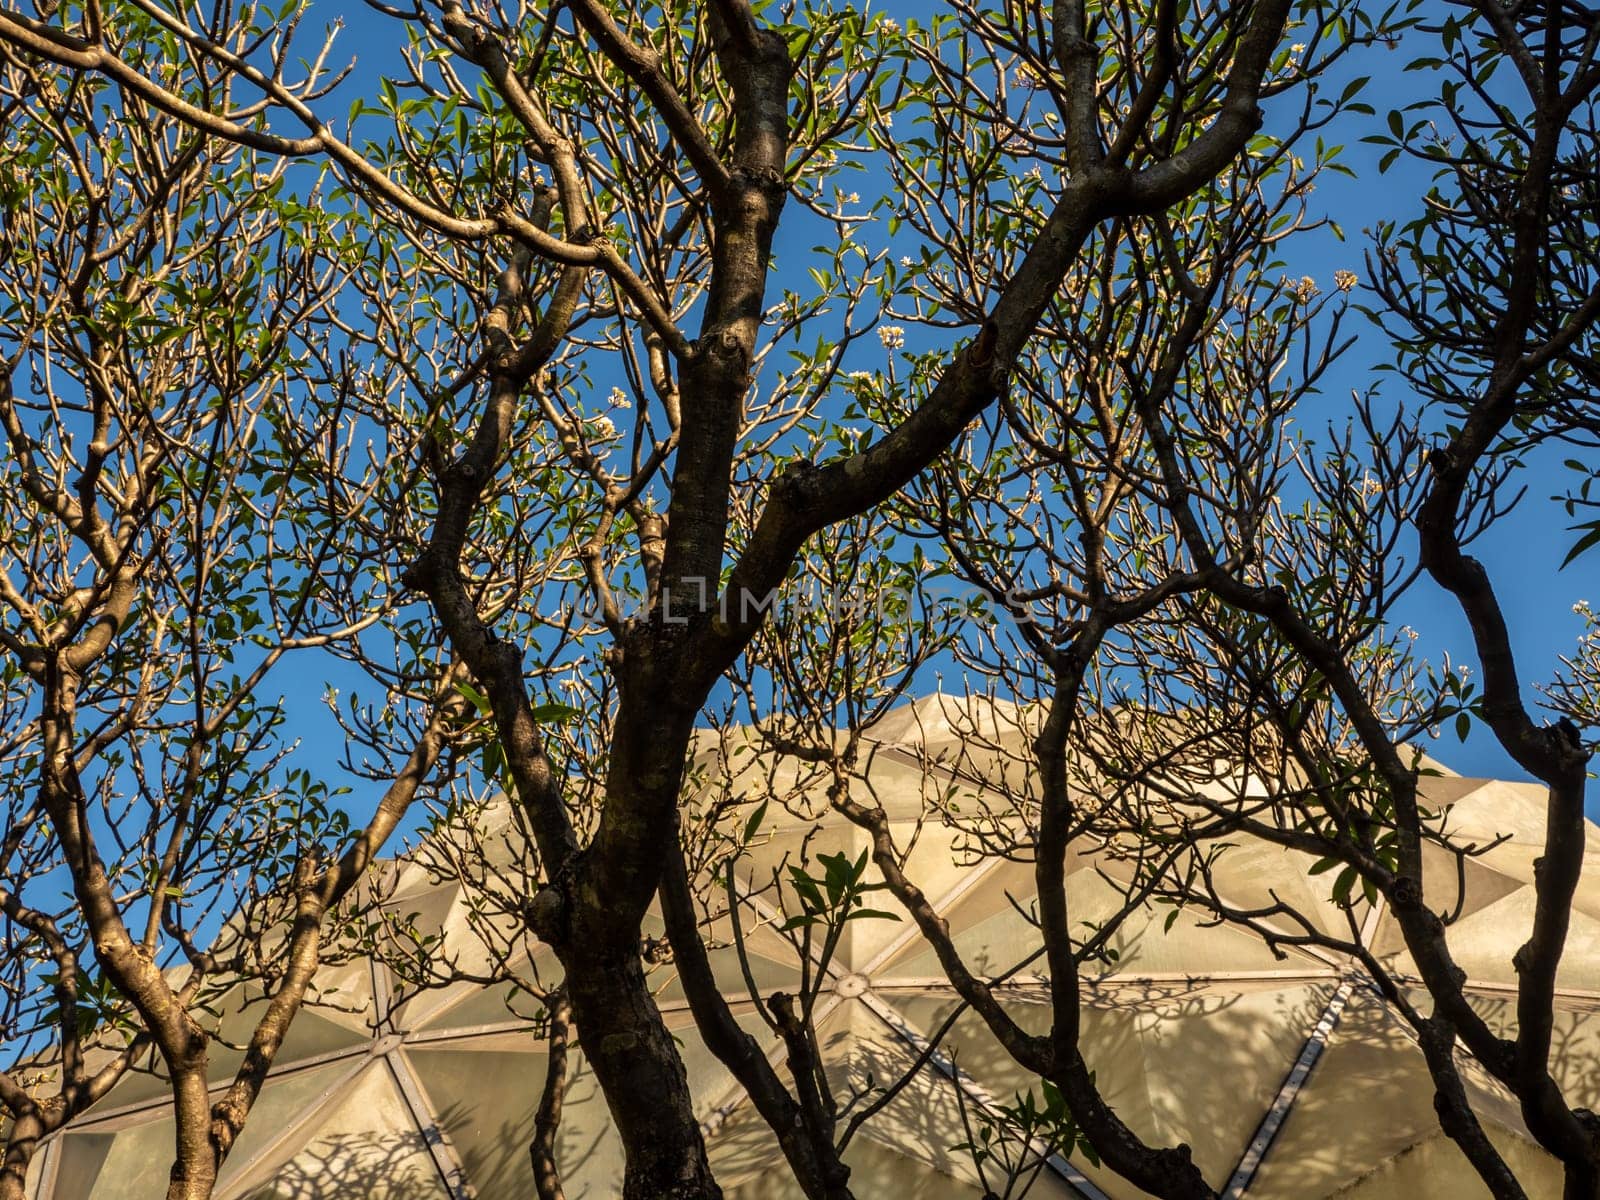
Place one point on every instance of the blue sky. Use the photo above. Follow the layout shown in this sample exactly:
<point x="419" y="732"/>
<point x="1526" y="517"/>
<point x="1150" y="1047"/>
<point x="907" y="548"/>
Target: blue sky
<point x="1523" y="555"/>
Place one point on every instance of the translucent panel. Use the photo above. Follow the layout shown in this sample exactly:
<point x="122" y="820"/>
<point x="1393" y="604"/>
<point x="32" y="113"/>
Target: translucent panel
<point x="30" y="1182"/>
<point x="965" y="746"/>
<point x="937" y="864"/>
<point x="1436" y="1167"/>
<point x="923" y="1122"/>
<point x="875" y="1170"/>
<point x="484" y="1092"/>
<point x="1474" y="883"/>
<point x="1369" y="1103"/>
<point x="145" y="1083"/>
<point x="773" y="963"/>
<point x="1574" y="1041"/>
<point x="489" y="832"/>
<point x="445" y="914"/>
<point x="1483" y="941"/>
<point x="1445" y="789"/>
<point x="939" y="721"/>
<point x="738" y="764"/>
<point x="471" y="1007"/>
<point x="1191" y="945"/>
<point x="423" y="913"/>
<point x="993" y="933"/>
<point x="130" y="1162"/>
<point x="364" y="1143"/>
<point x="285" y="1102"/>
<point x="315" y="1031"/>
<point x="1251" y="875"/>
<point x="468" y="1005"/>
<point x="1198" y="1064"/>
<point x="342" y="993"/>
<point x="1497" y="808"/>
<point x="82" y="1156"/>
<point x="310" y="1035"/>
<point x="990" y="932"/>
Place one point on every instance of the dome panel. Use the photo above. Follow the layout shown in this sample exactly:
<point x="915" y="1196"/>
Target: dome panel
<point x="1483" y="942"/>
<point x="936" y="862"/>
<point x="270" y="1135"/>
<point x="875" y="1170"/>
<point x="1193" y="1063"/>
<point x="1435" y="1167"/>
<point x="364" y="1142"/>
<point x="1251" y="875"/>
<point x="1499" y="808"/>
<point x="1321" y="1150"/>
<point x="114" y="1165"/>
<point x="498" y="1004"/>
<point x="484" y="1093"/>
<point x="311" y="1035"/>
<point x="1574" y="1040"/>
<point x="448" y="916"/>
<point x="909" y="1144"/>
<point x="773" y="963"/>
<point x="993" y="935"/>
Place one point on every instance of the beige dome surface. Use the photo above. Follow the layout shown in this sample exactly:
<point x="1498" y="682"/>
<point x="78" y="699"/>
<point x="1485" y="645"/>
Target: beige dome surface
<point x="1288" y="1076"/>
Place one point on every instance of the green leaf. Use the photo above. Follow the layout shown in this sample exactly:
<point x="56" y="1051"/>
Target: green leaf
<point x="754" y="823"/>
<point x="554" y="713"/>
<point x="1587" y="542"/>
<point x="479" y="700"/>
<point x="875" y="913"/>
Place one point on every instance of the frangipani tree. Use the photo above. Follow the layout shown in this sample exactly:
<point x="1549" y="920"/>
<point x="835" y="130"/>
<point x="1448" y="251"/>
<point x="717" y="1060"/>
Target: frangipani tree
<point x="612" y="403"/>
<point x="167" y="545"/>
<point x="1200" y="587"/>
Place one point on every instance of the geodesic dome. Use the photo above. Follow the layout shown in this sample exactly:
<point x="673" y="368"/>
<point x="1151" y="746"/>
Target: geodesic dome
<point x="1289" y="1077"/>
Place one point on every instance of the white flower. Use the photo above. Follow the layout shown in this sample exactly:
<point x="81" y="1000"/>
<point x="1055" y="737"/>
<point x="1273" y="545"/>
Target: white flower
<point x="889" y="25"/>
<point x="1344" y="280"/>
<point x="1581" y="608"/>
<point x="618" y="399"/>
<point x="905" y="261"/>
<point x="604" y="427"/>
<point x="1297" y="49"/>
<point x="860" y="377"/>
<point x="892" y="336"/>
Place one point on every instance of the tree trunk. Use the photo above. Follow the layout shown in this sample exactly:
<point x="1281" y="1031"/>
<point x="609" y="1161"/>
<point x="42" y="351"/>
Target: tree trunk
<point x="194" y="1166"/>
<point x="21" y="1144"/>
<point x="638" y="1068"/>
